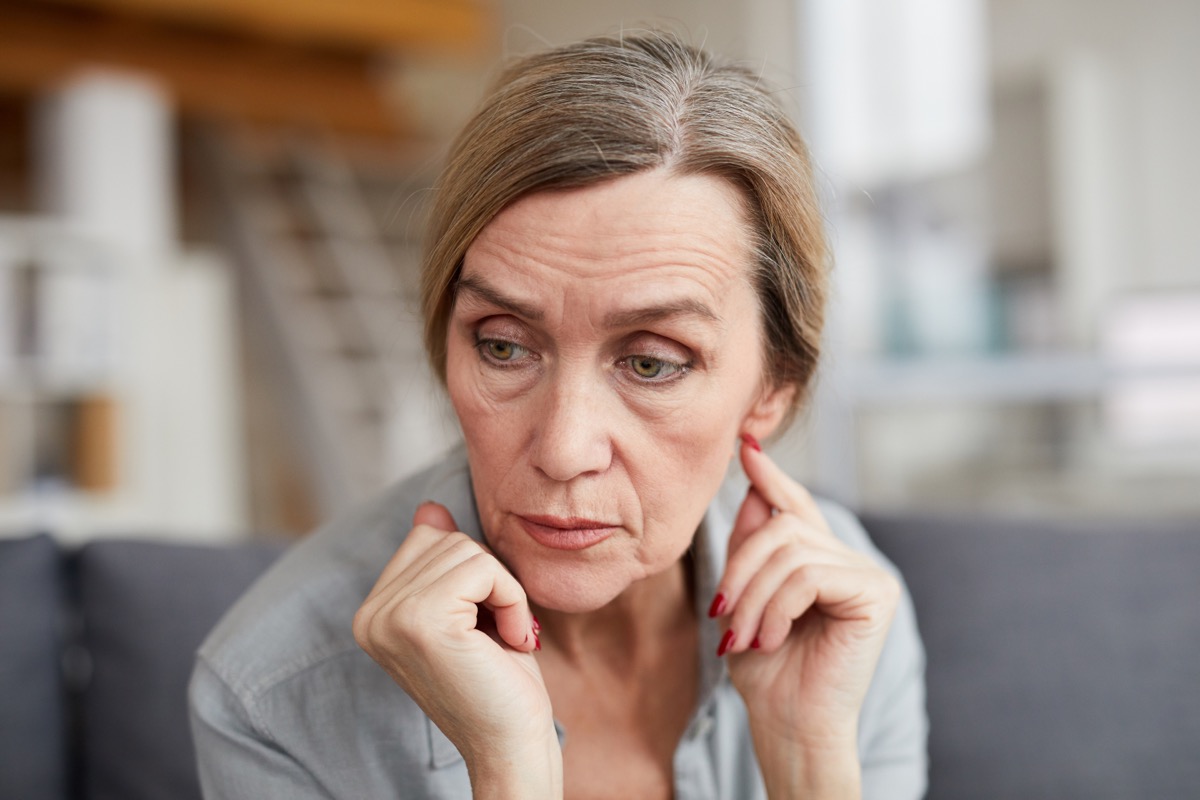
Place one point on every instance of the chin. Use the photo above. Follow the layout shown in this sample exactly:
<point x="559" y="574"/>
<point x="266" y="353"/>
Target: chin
<point x="571" y="591"/>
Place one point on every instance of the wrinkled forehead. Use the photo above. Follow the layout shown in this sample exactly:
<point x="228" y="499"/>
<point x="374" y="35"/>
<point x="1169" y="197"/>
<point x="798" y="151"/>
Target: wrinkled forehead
<point x="648" y="228"/>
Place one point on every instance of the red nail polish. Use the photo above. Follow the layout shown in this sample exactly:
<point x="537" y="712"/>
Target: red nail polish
<point x="537" y="626"/>
<point x="537" y="642"/>
<point x="752" y="442"/>
<point x="726" y="642"/>
<point x="718" y="606"/>
<point x="755" y="645"/>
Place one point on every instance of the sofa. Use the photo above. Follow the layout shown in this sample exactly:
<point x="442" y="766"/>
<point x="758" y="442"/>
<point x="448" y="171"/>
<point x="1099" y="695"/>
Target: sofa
<point x="1063" y="660"/>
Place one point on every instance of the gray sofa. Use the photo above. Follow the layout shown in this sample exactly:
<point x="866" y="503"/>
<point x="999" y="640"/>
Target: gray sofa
<point x="1063" y="662"/>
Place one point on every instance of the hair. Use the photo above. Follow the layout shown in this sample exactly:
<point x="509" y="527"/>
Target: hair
<point x="606" y="107"/>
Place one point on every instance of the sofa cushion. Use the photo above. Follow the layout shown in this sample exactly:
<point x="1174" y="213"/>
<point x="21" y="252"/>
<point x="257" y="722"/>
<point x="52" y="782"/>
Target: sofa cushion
<point x="1062" y="659"/>
<point x="146" y="608"/>
<point x="33" y="759"/>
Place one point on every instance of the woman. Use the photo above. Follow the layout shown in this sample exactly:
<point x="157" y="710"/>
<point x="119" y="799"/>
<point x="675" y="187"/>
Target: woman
<point x="612" y="591"/>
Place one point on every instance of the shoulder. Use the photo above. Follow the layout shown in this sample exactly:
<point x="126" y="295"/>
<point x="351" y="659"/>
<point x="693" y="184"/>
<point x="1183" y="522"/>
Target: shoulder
<point x="299" y="613"/>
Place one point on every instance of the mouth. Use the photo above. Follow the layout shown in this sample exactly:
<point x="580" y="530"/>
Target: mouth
<point x="566" y="533"/>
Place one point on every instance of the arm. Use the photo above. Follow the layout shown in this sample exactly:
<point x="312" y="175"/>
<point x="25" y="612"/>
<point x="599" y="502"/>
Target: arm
<point x="235" y="759"/>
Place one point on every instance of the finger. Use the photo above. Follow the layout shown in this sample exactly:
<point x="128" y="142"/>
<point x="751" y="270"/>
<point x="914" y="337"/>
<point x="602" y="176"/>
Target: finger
<point x="756" y="548"/>
<point x="449" y="581"/>
<point x="847" y="593"/>
<point x="431" y="522"/>
<point x="754" y="513"/>
<point x="756" y="539"/>
<point x="435" y="515"/>
<point x="747" y="615"/>
<point x="483" y="580"/>
<point x="415" y="547"/>
<point x="777" y="487"/>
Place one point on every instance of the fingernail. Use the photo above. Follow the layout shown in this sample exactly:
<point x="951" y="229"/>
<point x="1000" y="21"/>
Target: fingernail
<point x="537" y="626"/>
<point x="537" y="642"/>
<point x="754" y="644"/>
<point x="718" y="606"/>
<point x="726" y="642"/>
<point x="752" y="442"/>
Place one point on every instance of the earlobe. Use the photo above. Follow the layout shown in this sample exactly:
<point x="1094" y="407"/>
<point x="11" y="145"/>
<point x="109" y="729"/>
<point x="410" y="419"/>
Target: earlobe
<point x="768" y="412"/>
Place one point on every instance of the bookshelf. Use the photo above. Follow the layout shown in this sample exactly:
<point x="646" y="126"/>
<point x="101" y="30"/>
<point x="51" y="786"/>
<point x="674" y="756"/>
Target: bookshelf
<point x="117" y="388"/>
<point x="60" y="384"/>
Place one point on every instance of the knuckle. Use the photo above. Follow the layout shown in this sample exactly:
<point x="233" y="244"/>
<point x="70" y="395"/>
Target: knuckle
<point x="461" y="544"/>
<point x="891" y="588"/>
<point x="808" y="574"/>
<point x="361" y="626"/>
<point x="424" y="535"/>
<point x="772" y="608"/>
<point x="462" y="548"/>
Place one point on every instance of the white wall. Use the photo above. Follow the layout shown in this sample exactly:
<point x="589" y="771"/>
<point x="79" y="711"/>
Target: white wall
<point x="1142" y="59"/>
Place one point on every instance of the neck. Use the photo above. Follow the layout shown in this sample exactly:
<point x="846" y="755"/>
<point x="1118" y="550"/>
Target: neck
<point x="640" y="619"/>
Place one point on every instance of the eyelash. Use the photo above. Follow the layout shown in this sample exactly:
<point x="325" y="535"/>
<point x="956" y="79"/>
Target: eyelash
<point x="626" y="362"/>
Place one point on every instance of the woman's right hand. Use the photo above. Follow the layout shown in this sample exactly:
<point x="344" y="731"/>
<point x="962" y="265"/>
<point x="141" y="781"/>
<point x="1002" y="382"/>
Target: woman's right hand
<point x="483" y="689"/>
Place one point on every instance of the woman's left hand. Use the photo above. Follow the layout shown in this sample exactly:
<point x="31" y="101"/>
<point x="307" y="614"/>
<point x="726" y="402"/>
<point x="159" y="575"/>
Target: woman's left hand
<point x="805" y="618"/>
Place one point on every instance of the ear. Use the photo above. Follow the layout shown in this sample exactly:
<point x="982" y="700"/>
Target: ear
<point x="768" y="411"/>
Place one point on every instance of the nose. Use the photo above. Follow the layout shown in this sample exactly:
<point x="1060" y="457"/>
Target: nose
<point x="573" y="436"/>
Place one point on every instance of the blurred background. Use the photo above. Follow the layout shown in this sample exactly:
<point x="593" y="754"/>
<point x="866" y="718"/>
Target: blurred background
<point x="211" y="212"/>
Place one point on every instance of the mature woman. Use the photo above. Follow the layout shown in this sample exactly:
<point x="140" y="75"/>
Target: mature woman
<point x="611" y="591"/>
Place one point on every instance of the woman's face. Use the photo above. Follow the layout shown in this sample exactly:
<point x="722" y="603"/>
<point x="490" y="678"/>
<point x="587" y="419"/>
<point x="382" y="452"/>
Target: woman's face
<point x="604" y="354"/>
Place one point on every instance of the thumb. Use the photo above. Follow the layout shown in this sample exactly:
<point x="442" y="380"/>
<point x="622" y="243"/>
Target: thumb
<point x="435" y="515"/>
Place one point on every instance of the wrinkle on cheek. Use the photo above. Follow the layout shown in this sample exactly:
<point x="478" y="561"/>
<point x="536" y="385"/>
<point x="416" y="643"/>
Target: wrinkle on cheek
<point x="490" y="398"/>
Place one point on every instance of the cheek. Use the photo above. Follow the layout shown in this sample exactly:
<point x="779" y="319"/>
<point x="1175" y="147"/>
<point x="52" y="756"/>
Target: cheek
<point x="685" y="455"/>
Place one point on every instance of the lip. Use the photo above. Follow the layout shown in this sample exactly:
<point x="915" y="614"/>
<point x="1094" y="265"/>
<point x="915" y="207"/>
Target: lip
<point x="566" y="533"/>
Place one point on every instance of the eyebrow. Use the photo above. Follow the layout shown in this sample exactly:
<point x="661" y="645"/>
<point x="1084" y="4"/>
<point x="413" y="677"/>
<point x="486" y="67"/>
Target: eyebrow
<point x="632" y="318"/>
<point x="476" y="286"/>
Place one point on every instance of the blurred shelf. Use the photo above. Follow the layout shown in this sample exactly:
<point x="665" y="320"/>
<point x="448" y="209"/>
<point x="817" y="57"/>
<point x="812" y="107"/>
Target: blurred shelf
<point x="1025" y="378"/>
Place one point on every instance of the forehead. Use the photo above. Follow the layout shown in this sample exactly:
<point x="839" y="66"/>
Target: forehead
<point x="652" y="228"/>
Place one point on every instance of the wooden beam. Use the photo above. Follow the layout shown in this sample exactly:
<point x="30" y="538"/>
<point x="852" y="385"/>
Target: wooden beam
<point x="206" y="73"/>
<point x="363" y="24"/>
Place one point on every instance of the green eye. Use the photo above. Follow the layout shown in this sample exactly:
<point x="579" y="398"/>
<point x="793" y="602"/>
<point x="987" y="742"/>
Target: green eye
<point x="647" y="367"/>
<point x="655" y="370"/>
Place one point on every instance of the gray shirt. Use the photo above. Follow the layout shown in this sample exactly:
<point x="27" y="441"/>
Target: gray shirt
<point x="285" y="704"/>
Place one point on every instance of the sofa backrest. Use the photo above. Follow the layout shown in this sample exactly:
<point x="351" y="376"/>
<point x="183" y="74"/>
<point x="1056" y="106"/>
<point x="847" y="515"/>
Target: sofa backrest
<point x="146" y="607"/>
<point x="1063" y="660"/>
<point x="96" y="648"/>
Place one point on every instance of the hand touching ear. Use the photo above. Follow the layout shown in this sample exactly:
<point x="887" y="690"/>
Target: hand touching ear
<point x="805" y="618"/>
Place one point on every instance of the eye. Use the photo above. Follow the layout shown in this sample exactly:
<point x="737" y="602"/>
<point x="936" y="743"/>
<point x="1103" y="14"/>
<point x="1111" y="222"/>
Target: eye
<point x="654" y="370"/>
<point x="500" y="351"/>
